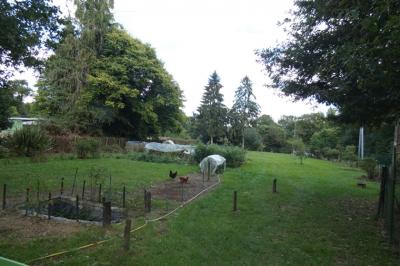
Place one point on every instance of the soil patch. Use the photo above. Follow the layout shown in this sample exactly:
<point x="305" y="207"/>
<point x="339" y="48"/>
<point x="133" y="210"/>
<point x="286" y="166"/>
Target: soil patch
<point x="26" y="228"/>
<point x="174" y="190"/>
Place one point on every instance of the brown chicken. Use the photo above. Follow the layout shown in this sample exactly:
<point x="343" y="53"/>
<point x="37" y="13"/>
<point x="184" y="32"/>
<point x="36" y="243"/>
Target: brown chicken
<point x="183" y="179"/>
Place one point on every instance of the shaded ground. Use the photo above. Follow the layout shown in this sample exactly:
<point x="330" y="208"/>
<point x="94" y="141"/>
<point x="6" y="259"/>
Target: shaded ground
<point x="25" y="228"/>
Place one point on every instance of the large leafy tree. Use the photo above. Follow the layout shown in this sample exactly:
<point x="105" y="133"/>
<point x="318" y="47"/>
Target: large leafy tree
<point x="25" y="28"/>
<point x="345" y="53"/>
<point x="245" y="109"/>
<point x="272" y="134"/>
<point x="101" y="80"/>
<point x="212" y="113"/>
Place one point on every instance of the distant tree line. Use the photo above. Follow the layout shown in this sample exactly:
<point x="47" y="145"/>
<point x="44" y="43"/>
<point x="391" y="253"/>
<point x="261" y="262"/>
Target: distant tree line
<point x="318" y="135"/>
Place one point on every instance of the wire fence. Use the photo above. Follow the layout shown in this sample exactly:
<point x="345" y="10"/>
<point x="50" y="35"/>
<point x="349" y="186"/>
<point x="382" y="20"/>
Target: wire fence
<point x="389" y="200"/>
<point x="85" y="200"/>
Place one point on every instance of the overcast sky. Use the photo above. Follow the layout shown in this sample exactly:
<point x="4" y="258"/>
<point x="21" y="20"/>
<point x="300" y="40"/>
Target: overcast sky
<point x="194" y="38"/>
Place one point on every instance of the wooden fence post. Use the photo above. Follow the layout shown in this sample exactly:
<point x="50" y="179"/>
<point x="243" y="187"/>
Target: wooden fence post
<point x="234" y="201"/>
<point x="145" y="200"/>
<point x="274" y="186"/>
<point x="49" y="207"/>
<point x="123" y="196"/>
<point x="383" y="173"/>
<point x="83" y="189"/>
<point x="4" y="196"/>
<point x="127" y="233"/>
<point x="148" y="201"/>
<point x="62" y="185"/>
<point x="99" y="192"/>
<point x="77" y="207"/>
<point x="27" y="201"/>
<point x="106" y="213"/>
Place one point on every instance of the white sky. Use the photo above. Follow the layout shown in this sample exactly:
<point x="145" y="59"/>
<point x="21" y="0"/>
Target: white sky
<point x="194" y="38"/>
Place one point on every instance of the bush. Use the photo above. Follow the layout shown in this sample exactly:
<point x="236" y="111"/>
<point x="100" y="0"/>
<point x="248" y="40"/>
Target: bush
<point x="330" y="154"/>
<point x="252" y="139"/>
<point x="155" y="158"/>
<point x="113" y="148"/>
<point x="349" y="154"/>
<point x="234" y="156"/>
<point x="369" y="166"/>
<point x="86" y="148"/>
<point x="4" y="152"/>
<point x="29" y="141"/>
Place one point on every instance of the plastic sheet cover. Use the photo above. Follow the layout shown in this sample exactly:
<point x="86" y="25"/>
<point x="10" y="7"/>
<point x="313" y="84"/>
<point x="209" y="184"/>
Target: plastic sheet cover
<point x="214" y="161"/>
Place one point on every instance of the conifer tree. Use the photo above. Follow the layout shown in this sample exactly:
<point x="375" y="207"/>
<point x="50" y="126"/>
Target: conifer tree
<point x="245" y="109"/>
<point x="212" y="111"/>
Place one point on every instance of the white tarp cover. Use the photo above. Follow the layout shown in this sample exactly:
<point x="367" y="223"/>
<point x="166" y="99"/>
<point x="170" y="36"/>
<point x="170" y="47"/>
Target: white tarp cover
<point x="164" y="147"/>
<point x="214" y="161"/>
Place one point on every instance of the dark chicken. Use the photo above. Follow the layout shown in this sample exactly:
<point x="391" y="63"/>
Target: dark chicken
<point x="173" y="175"/>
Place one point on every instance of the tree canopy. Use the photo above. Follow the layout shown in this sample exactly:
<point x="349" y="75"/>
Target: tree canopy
<point x="25" y="28"/>
<point x="102" y="81"/>
<point x="344" y="53"/>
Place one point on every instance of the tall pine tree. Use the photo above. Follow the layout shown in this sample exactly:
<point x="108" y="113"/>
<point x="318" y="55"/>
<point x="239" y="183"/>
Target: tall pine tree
<point x="245" y="109"/>
<point x="212" y="112"/>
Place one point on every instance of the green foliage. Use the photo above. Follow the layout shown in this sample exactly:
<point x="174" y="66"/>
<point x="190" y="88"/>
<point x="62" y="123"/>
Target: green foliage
<point x="102" y="81"/>
<point x="211" y="119"/>
<point x="245" y="110"/>
<point x="299" y="148"/>
<point x="29" y="141"/>
<point x="252" y="139"/>
<point x="4" y="152"/>
<point x="343" y="55"/>
<point x="113" y="148"/>
<point x="234" y="156"/>
<point x="349" y="154"/>
<point x="86" y="148"/>
<point x="6" y="100"/>
<point x="326" y="138"/>
<point x="26" y="26"/>
<point x="272" y="134"/>
<point x="12" y="94"/>
<point x="156" y="157"/>
<point x="369" y="165"/>
<point x="330" y="154"/>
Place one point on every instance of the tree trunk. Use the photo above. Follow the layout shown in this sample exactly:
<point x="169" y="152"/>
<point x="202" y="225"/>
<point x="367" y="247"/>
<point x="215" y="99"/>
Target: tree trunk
<point x="243" y="139"/>
<point x="211" y="140"/>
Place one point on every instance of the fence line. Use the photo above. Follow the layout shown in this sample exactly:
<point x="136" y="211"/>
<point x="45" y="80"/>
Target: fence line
<point x="147" y="221"/>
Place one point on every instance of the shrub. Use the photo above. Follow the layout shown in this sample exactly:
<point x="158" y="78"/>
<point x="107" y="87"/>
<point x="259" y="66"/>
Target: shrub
<point x="29" y="141"/>
<point x="234" y="156"/>
<point x="156" y="158"/>
<point x="4" y="152"/>
<point x="349" y="154"/>
<point x="369" y="166"/>
<point x="113" y="148"/>
<point x="330" y="154"/>
<point x="252" y="139"/>
<point x="86" y="148"/>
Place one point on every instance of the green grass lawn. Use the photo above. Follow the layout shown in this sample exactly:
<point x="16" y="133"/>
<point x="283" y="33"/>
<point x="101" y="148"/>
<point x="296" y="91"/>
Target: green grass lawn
<point x="22" y="173"/>
<point x="318" y="217"/>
